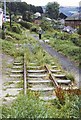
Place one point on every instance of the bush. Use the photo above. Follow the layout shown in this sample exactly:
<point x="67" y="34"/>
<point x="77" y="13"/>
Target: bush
<point x="79" y="30"/>
<point x="15" y="29"/>
<point x="45" y="25"/>
<point x="3" y="35"/>
<point x="14" y="35"/>
<point x="33" y="29"/>
<point x="25" y="24"/>
<point x="76" y="39"/>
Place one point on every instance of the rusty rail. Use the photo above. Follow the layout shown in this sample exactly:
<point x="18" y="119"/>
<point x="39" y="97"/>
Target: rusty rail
<point x="51" y="76"/>
<point x="25" y="83"/>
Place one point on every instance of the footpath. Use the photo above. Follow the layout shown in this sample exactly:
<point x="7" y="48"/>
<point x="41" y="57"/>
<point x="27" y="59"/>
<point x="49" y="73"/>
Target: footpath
<point x="66" y="64"/>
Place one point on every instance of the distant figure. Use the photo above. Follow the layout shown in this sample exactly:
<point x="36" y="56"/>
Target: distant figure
<point x="40" y="32"/>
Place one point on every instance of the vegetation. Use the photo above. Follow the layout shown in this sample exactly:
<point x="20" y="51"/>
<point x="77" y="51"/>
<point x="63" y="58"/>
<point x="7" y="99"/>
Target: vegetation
<point x="18" y="41"/>
<point x="46" y="25"/>
<point x="30" y="106"/>
<point x="79" y="30"/>
<point x="64" y="43"/>
<point x="52" y="10"/>
<point x="21" y="7"/>
<point x="25" y="24"/>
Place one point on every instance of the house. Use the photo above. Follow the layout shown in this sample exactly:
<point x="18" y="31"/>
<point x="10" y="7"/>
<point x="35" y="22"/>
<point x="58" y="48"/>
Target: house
<point x="37" y="15"/>
<point x="62" y="15"/>
<point x="68" y="29"/>
<point x="74" y="20"/>
<point x="37" y="18"/>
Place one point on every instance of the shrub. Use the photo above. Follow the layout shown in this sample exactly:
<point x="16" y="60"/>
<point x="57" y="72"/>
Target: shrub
<point x="45" y="25"/>
<point x="25" y="24"/>
<point x="15" y="29"/>
<point x="79" y="30"/>
<point x="14" y="35"/>
<point x="3" y="35"/>
<point x="33" y="29"/>
<point x="76" y="39"/>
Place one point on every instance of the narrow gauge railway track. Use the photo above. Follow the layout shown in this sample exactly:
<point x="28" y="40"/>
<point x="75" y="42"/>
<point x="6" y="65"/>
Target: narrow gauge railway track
<point x="40" y="79"/>
<point x="45" y="79"/>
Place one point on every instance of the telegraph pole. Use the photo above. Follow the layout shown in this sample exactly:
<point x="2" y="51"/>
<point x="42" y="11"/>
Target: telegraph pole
<point x="4" y="10"/>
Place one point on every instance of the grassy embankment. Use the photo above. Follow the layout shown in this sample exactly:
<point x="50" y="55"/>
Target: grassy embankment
<point x="67" y="44"/>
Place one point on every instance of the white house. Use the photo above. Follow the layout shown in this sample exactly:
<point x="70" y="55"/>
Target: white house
<point x="37" y="14"/>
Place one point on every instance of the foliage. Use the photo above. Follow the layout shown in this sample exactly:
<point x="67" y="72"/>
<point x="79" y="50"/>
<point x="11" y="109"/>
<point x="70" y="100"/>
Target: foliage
<point x="65" y="46"/>
<point x="16" y="28"/>
<point x="3" y="34"/>
<point x="15" y="36"/>
<point x="76" y="39"/>
<point x="27" y="16"/>
<point x="25" y="24"/>
<point x="9" y="48"/>
<point x="33" y="29"/>
<point x="21" y="7"/>
<point x="60" y="94"/>
<point x="30" y="106"/>
<point x="46" y="25"/>
<point x="52" y="10"/>
<point x="69" y="76"/>
<point x="79" y="30"/>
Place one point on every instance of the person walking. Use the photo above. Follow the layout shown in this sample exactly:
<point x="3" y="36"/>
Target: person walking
<point x="40" y="32"/>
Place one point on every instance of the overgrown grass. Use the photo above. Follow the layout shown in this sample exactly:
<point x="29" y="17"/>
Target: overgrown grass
<point x="68" y="46"/>
<point x="30" y="106"/>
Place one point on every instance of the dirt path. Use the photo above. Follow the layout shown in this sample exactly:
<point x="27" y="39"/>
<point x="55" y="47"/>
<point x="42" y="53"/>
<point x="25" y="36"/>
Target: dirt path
<point x="66" y="64"/>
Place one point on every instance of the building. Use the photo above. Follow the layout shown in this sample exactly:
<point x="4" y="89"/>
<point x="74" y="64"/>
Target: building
<point x="74" y="20"/>
<point x="62" y="16"/>
<point x="37" y="18"/>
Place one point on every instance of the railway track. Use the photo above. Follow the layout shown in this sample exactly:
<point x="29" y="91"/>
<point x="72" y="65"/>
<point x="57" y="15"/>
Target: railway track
<point x="43" y="80"/>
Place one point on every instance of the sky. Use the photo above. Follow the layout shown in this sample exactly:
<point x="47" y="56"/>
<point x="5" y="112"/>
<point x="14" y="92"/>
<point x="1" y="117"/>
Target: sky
<point x="61" y="2"/>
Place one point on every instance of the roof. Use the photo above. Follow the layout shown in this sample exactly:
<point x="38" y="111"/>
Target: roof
<point x="68" y="11"/>
<point x="68" y="27"/>
<point x="62" y="15"/>
<point x="47" y="18"/>
<point x="75" y="16"/>
<point x="37" y="14"/>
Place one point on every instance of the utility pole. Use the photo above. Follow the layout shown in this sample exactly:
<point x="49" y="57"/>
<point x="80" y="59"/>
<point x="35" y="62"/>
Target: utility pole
<point x="10" y="14"/>
<point x="4" y="10"/>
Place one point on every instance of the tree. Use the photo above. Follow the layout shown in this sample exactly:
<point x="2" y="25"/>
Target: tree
<point x="39" y="9"/>
<point x="79" y="30"/>
<point x="27" y="16"/>
<point x="52" y="10"/>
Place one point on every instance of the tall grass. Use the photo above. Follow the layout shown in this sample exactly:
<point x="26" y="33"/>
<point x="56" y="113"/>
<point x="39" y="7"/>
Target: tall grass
<point x="30" y="106"/>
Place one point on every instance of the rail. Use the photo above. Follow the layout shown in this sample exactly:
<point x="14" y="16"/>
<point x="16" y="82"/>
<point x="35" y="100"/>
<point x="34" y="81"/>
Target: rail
<point x="51" y="76"/>
<point x="25" y="82"/>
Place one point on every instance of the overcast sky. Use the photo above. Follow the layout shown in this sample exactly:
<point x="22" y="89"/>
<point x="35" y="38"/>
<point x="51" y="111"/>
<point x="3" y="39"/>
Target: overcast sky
<point x="61" y="2"/>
